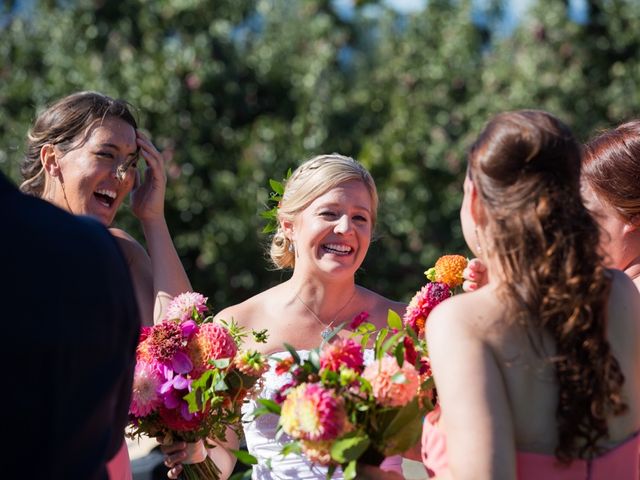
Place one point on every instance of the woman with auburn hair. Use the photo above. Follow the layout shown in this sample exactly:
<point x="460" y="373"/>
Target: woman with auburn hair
<point x="82" y="153"/>
<point x="538" y="371"/>
<point x="611" y="192"/>
<point x="325" y="223"/>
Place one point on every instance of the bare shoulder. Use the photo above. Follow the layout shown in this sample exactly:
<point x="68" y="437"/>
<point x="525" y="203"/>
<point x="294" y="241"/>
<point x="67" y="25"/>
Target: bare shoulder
<point x="623" y="308"/>
<point x="463" y="316"/>
<point x="250" y="313"/>
<point x="132" y="249"/>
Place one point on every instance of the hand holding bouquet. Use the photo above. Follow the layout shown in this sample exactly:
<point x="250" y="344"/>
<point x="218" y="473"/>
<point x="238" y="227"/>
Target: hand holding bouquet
<point x="191" y="378"/>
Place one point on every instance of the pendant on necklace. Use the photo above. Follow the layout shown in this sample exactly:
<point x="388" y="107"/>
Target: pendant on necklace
<point x="326" y="333"/>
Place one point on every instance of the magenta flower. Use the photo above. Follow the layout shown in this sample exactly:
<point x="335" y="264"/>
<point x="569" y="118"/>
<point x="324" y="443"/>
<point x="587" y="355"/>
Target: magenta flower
<point x="423" y="302"/>
<point x="343" y="353"/>
<point x="189" y="329"/>
<point x="358" y="320"/>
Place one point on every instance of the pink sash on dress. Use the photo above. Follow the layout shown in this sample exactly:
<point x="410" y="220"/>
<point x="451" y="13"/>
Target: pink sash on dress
<point x="619" y="463"/>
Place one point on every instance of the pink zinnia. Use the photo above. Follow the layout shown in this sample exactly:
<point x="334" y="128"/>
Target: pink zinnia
<point x="163" y="342"/>
<point x="390" y="389"/>
<point x="146" y="382"/>
<point x="423" y="302"/>
<point x="212" y="342"/>
<point x="312" y="412"/>
<point x="343" y="353"/>
<point x="183" y="306"/>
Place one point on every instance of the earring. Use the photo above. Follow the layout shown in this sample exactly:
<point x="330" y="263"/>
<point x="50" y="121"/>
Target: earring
<point x="478" y="246"/>
<point x="292" y="247"/>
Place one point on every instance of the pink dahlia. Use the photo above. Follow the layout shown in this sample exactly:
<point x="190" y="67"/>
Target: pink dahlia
<point x="423" y="302"/>
<point x="311" y="412"/>
<point x="146" y="383"/>
<point x="392" y="386"/>
<point x="343" y="353"/>
<point x="212" y="342"/>
<point x="183" y="306"/>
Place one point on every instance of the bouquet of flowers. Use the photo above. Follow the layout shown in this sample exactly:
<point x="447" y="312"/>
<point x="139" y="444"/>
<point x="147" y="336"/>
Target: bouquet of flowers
<point x="190" y="378"/>
<point x="339" y="410"/>
<point x="445" y="277"/>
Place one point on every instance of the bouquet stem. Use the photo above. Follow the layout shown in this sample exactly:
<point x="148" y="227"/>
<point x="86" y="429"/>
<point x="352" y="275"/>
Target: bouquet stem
<point x="206" y="470"/>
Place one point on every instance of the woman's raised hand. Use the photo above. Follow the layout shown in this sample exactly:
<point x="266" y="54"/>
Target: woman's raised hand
<point x="475" y="275"/>
<point x="147" y="196"/>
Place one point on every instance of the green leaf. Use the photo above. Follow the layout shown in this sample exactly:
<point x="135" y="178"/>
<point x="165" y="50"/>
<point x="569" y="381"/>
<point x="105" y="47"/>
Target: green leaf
<point x="431" y="274"/>
<point x="276" y="186"/>
<point x="404" y="430"/>
<point x="246" y="475"/>
<point x="392" y="341"/>
<point x="394" y="320"/>
<point x="270" y="405"/>
<point x="351" y="470"/>
<point x="382" y="334"/>
<point x="399" y="354"/>
<point x="349" y="447"/>
<point x="314" y="358"/>
<point x="221" y="363"/>
<point x="293" y="447"/>
<point x="245" y="457"/>
<point x="292" y="351"/>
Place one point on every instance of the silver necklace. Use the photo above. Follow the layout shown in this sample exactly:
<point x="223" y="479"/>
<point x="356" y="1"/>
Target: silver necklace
<point x="326" y="331"/>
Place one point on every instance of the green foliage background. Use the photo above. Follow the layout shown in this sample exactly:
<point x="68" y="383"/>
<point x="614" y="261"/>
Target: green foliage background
<point x="242" y="90"/>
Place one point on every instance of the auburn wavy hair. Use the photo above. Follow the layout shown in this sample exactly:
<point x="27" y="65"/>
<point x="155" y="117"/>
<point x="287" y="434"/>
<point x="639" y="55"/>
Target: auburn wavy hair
<point x="611" y="166"/>
<point x="525" y="166"/>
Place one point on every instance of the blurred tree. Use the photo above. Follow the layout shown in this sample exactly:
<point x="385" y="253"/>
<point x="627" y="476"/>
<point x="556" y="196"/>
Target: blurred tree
<point x="242" y="90"/>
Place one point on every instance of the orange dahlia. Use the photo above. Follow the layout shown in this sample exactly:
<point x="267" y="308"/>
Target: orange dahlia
<point x="448" y="269"/>
<point x="212" y="342"/>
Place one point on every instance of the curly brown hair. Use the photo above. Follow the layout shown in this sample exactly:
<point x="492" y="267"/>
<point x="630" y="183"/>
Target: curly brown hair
<point x="526" y="168"/>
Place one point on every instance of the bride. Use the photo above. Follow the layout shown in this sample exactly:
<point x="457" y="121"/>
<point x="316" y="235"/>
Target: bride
<point x="326" y="220"/>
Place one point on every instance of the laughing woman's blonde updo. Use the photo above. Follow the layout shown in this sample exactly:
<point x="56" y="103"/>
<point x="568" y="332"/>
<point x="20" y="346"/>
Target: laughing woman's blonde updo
<point x="314" y="178"/>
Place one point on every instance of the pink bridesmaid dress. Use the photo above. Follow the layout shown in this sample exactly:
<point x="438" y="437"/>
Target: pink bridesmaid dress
<point x="119" y="467"/>
<point x="620" y="463"/>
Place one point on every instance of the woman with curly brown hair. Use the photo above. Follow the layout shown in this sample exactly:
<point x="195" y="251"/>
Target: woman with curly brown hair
<point x="611" y="192"/>
<point x="538" y="372"/>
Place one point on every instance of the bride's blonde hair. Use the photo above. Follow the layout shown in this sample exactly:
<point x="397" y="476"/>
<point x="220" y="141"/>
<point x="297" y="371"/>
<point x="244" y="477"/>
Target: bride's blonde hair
<point x="314" y="178"/>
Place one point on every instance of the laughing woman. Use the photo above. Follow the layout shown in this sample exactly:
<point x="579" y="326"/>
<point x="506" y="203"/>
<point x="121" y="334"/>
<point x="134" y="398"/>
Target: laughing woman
<point x="81" y="155"/>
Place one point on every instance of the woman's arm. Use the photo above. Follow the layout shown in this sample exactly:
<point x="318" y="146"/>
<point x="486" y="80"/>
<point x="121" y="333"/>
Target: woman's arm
<point x="141" y="272"/>
<point x="147" y="203"/>
<point x="476" y="415"/>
